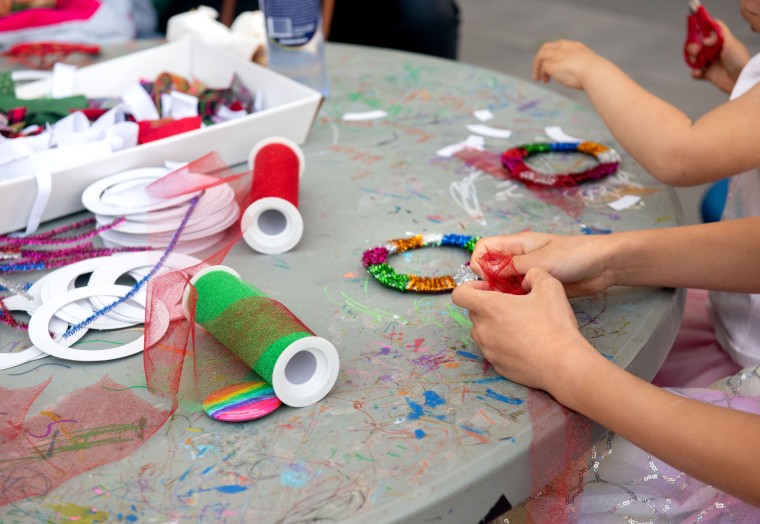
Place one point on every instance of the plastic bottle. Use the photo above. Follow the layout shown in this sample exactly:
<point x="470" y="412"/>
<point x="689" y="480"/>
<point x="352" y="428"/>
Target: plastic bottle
<point x="295" y="44"/>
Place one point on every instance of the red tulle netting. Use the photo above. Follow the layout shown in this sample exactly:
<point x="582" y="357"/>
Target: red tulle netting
<point x="182" y="361"/>
<point x="561" y="437"/>
<point x="87" y="428"/>
<point x="106" y="421"/>
<point x="499" y="272"/>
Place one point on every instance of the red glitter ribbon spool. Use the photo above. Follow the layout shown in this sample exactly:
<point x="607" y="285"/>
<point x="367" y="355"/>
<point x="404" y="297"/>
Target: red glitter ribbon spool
<point x="272" y="224"/>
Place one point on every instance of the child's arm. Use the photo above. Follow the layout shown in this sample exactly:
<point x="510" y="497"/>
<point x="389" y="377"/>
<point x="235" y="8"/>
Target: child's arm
<point x="720" y="255"/>
<point x="534" y="340"/>
<point x="660" y="137"/>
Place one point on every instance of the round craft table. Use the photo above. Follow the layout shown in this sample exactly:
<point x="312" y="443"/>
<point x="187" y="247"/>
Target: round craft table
<point x="418" y="427"/>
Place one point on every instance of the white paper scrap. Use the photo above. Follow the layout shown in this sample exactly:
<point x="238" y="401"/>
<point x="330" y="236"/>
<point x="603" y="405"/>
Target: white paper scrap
<point x="482" y="114"/>
<point x="451" y="150"/>
<point x="29" y="75"/>
<point x="475" y="142"/>
<point x="366" y="115"/>
<point x="472" y="141"/>
<point x="624" y="202"/>
<point x="63" y="80"/>
<point x="490" y="132"/>
<point x="138" y="102"/>
<point x="556" y="134"/>
<point x="183" y="105"/>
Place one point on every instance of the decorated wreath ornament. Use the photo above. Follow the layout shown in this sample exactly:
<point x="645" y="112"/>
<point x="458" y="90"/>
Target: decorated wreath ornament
<point x="513" y="160"/>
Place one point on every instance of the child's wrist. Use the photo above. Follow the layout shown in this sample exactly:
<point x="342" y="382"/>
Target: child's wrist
<point x="579" y="364"/>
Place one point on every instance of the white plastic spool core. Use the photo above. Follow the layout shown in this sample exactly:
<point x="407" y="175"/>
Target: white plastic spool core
<point x="305" y="372"/>
<point x="272" y="225"/>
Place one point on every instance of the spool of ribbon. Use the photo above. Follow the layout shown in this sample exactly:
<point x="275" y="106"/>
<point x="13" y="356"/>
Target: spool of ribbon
<point x="272" y="224"/>
<point x="263" y="333"/>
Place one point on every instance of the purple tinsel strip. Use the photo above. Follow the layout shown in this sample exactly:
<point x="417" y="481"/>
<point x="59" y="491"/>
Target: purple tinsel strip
<point x="45" y="238"/>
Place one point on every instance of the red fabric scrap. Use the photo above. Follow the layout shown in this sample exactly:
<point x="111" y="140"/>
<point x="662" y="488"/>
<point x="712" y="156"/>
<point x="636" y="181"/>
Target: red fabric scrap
<point x="150" y="130"/>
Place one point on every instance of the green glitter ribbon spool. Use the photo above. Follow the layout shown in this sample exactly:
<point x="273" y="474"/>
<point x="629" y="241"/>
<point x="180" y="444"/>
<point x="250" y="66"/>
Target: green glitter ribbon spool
<point x="264" y="334"/>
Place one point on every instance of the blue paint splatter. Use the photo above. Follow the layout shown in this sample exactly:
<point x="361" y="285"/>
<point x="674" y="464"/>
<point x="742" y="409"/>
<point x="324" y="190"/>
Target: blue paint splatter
<point x="472" y="430"/>
<point x="509" y="400"/>
<point x="488" y="380"/>
<point x="590" y="230"/>
<point x="131" y="518"/>
<point x="419" y="194"/>
<point x="529" y="105"/>
<point x="419" y="434"/>
<point x="467" y="354"/>
<point x="294" y="477"/>
<point x="417" y="410"/>
<point x="184" y="475"/>
<point x="433" y="399"/>
<point x="233" y="488"/>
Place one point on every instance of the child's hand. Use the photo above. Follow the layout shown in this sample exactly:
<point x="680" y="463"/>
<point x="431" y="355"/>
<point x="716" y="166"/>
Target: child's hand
<point x="5" y="7"/>
<point x="532" y="339"/>
<point x="565" y="61"/>
<point x="724" y="71"/>
<point x="579" y="262"/>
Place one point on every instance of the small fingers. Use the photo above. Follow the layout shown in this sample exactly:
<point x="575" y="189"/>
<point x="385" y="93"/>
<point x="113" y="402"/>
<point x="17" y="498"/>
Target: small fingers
<point x="537" y="277"/>
<point x="537" y="67"/>
<point x="467" y="295"/>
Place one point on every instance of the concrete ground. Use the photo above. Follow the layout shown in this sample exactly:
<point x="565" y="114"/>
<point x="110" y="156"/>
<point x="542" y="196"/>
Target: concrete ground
<point x="644" y="37"/>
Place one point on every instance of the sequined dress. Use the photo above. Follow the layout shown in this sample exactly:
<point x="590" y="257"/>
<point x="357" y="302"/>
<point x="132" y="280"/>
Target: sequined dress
<point x="623" y="483"/>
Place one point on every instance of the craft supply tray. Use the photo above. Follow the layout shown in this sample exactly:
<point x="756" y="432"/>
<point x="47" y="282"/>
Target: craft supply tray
<point x="288" y="109"/>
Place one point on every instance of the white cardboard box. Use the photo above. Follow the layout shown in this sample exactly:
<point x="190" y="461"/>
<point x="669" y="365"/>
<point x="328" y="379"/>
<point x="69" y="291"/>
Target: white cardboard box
<point x="288" y="110"/>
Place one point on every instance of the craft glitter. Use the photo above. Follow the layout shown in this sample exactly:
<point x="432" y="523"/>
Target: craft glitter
<point x="513" y="161"/>
<point x="375" y="260"/>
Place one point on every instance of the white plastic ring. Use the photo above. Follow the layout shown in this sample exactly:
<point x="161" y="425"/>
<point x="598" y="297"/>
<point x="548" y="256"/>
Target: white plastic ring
<point x="40" y="322"/>
<point x="132" y="184"/>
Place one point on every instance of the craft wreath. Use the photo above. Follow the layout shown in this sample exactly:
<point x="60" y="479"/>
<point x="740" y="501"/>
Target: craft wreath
<point x="375" y="260"/>
<point x="513" y="161"/>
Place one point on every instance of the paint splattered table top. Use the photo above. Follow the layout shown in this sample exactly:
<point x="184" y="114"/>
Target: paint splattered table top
<point x="418" y="427"/>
